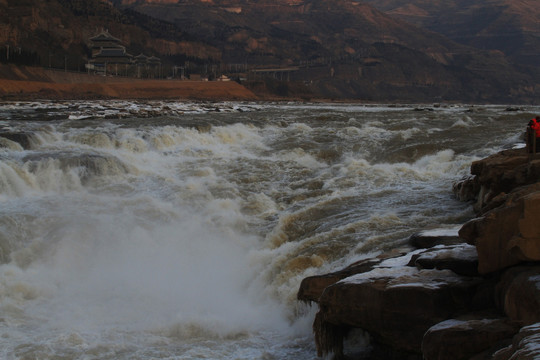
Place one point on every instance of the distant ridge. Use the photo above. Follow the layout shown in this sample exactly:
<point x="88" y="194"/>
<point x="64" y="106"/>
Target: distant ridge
<point x="342" y="49"/>
<point x="512" y="27"/>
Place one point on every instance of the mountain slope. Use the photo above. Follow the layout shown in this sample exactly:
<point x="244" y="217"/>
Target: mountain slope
<point x="351" y="48"/>
<point x="308" y="29"/>
<point x="58" y="31"/>
<point x="331" y="48"/>
<point x="511" y="26"/>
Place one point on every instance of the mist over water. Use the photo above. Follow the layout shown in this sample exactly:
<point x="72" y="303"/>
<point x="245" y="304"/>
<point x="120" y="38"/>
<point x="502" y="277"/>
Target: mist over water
<point x="169" y="230"/>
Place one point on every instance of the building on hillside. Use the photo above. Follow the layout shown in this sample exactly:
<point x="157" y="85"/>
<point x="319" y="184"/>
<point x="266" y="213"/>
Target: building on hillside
<point x="108" y="54"/>
<point x="106" y="51"/>
<point x="140" y="59"/>
<point x="149" y="66"/>
<point x="154" y="61"/>
<point x="103" y="41"/>
<point x="155" y="65"/>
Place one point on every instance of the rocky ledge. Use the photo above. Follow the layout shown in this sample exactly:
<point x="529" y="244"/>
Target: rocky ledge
<point x="467" y="293"/>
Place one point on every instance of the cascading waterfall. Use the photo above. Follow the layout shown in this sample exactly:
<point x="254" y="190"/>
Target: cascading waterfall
<point x="161" y="230"/>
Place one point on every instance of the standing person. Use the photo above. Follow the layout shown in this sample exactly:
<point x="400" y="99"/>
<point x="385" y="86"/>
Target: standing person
<point x="535" y="134"/>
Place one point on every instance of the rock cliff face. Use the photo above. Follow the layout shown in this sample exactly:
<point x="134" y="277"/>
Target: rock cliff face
<point x="469" y="293"/>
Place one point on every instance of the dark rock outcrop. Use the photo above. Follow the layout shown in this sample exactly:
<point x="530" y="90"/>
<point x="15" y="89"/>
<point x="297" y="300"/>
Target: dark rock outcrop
<point x="525" y="345"/>
<point x="448" y="299"/>
<point x="508" y="234"/>
<point x="518" y="294"/>
<point x="497" y="175"/>
<point x="397" y="305"/>
<point x="461" y="259"/>
<point x="312" y="287"/>
<point x="395" y="299"/>
<point x="430" y="238"/>
<point x="462" y="339"/>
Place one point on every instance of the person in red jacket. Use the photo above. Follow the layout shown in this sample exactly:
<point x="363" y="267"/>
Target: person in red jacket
<point x="534" y="133"/>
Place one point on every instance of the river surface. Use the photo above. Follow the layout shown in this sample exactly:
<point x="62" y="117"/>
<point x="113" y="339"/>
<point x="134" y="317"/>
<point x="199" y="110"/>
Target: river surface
<point x="174" y="230"/>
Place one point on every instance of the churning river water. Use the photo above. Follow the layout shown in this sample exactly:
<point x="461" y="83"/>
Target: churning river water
<point x="173" y="230"/>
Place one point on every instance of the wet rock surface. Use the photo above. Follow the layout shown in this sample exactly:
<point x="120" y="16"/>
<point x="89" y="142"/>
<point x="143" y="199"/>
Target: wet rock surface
<point x="462" y="339"/>
<point x="467" y="293"/>
<point x="460" y="259"/>
<point x="398" y="307"/>
<point x="524" y="346"/>
<point x="428" y="239"/>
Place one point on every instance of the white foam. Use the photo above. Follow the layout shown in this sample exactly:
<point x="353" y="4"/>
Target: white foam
<point x="107" y="273"/>
<point x="452" y="231"/>
<point x="192" y="243"/>
<point x="461" y="324"/>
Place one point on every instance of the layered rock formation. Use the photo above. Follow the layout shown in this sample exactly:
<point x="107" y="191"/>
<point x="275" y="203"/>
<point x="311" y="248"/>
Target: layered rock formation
<point x="467" y="293"/>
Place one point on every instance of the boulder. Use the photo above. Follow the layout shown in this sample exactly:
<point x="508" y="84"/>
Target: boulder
<point x="457" y="339"/>
<point x="396" y="305"/>
<point x="525" y="345"/>
<point x="405" y="303"/>
<point x="467" y="189"/>
<point x="430" y="238"/>
<point x="499" y="165"/>
<point x="509" y="234"/>
<point x="312" y="287"/>
<point x="498" y="174"/>
<point x="526" y="243"/>
<point x="461" y="259"/>
<point x="518" y="294"/>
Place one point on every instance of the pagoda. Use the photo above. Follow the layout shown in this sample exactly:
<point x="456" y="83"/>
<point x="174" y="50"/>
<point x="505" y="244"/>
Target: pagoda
<point x="106" y="49"/>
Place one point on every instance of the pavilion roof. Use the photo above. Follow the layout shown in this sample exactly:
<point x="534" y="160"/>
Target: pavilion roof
<point x="104" y="36"/>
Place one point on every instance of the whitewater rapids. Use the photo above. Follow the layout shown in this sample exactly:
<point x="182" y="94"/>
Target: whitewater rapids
<point x="171" y="230"/>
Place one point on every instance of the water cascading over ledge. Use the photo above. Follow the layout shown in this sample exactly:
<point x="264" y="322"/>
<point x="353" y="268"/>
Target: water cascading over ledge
<point x="409" y="304"/>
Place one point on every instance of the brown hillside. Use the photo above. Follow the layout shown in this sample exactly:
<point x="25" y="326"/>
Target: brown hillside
<point x="348" y="49"/>
<point x="339" y="49"/>
<point x="510" y="26"/>
<point x="36" y="83"/>
<point x="59" y="31"/>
